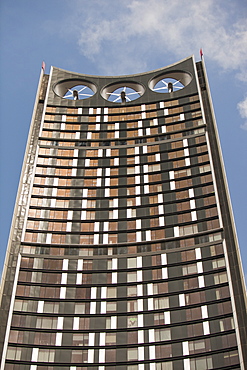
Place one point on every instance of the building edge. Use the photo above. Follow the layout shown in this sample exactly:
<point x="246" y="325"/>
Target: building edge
<point x="14" y="241"/>
<point x="232" y="250"/>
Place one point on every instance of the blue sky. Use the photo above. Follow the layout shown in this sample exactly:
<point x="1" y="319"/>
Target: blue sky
<point x="122" y="37"/>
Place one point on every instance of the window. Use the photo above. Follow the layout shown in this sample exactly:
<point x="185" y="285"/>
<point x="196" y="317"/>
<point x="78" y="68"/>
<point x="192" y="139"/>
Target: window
<point x="160" y="303"/>
<point x="132" y="337"/>
<point x="131" y="277"/>
<point x="80" y="339"/>
<point x="47" y="323"/>
<point x="197" y="346"/>
<point x="190" y="269"/>
<point x="202" y="363"/>
<point x="79" y="356"/>
<point x="80" y="308"/>
<point x="162" y="335"/>
<point x="111" y="306"/>
<point x="132" y="306"/>
<point x="205" y="168"/>
<point x="46" y="355"/>
<point x="186" y="230"/>
<point x="220" y="278"/>
<point x="218" y="263"/>
<point x="111" y="292"/>
<point x="131" y="291"/>
<point x="130" y="170"/>
<point x="131" y="262"/>
<point x="153" y="167"/>
<point x="13" y="353"/>
<point x="110" y="355"/>
<point x="132" y="354"/>
<point x="226" y="324"/>
<point x="110" y="338"/>
<point x="163" y="366"/>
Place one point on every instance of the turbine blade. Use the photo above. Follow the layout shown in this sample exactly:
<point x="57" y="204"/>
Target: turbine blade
<point x="84" y="87"/>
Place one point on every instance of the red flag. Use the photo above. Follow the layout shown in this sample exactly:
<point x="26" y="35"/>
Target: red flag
<point x="201" y="53"/>
<point x="43" y="65"/>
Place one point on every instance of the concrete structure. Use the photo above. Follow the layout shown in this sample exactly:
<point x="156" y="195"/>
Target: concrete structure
<point x="123" y="252"/>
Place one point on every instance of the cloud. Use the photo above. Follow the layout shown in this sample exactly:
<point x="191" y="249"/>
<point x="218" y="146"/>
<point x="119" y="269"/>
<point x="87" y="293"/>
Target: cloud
<point x="127" y="35"/>
<point x="131" y="36"/>
<point x="242" y="107"/>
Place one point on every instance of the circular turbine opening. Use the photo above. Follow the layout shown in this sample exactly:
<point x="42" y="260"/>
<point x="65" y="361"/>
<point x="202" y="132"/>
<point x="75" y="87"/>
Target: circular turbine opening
<point x="123" y="92"/>
<point x="75" y="89"/>
<point x="168" y="83"/>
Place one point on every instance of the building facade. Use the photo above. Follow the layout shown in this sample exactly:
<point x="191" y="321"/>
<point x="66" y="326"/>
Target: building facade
<point x="123" y="252"/>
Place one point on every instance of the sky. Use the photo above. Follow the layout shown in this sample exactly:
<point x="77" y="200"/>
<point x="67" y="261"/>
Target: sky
<point x="122" y="37"/>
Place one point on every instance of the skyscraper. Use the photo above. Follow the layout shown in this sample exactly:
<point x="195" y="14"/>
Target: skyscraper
<point x="123" y="252"/>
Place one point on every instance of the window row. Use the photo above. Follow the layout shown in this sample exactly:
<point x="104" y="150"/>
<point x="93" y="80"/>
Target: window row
<point x="135" y="168"/>
<point x="61" y="188"/>
<point x="114" y="263"/>
<point x="44" y="277"/>
<point x="123" y="109"/>
<point x="108" y="142"/>
<point x="185" y="211"/>
<point x="171" y="107"/>
<point x="132" y="129"/>
<point x="129" y="181"/>
<point x="64" y="291"/>
<point x="82" y="237"/>
<point x="131" y="337"/>
<point x="169" y="317"/>
<point x="84" y="251"/>
<point x="227" y="358"/>
<point x="197" y="145"/>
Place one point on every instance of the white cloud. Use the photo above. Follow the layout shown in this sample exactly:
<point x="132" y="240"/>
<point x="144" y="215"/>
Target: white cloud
<point x="128" y="34"/>
<point x="131" y="36"/>
<point x="242" y="107"/>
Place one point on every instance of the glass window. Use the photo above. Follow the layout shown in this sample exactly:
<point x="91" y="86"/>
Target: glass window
<point x="162" y="335"/>
<point x="205" y="168"/>
<point x="197" y="346"/>
<point x="202" y="363"/>
<point x="159" y="318"/>
<point x="190" y="269"/>
<point x="111" y="306"/>
<point x="80" y="339"/>
<point x="162" y="302"/>
<point x="13" y="336"/>
<point x="218" y="263"/>
<point x="130" y="170"/>
<point x="220" y="278"/>
<point x="231" y="358"/>
<point x="164" y="366"/>
<point x="226" y="324"/>
<point x="216" y="249"/>
<point x="79" y="356"/>
<point x="46" y="355"/>
<point x="132" y="354"/>
<point x="131" y="291"/>
<point x="131" y="276"/>
<point x="111" y="292"/>
<point x="13" y="353"/>
<point x="188" y="255"/>
<point x="110" y="355"/>
<point x="132" y="306"/>
<point x="110" y="338"/>
<point x="131" y="262"/>
<point x="154" y="167"/>
<point x="80" y="308"/>
<point x="47" y="323"/>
